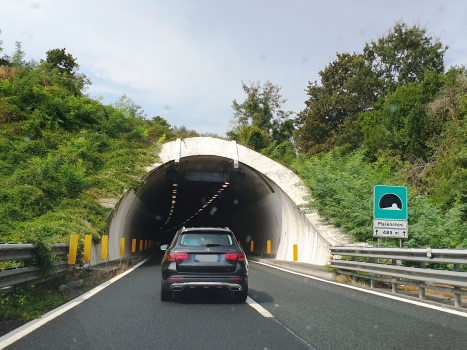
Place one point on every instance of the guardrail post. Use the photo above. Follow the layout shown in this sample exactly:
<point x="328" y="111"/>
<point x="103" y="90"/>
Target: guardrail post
<point x="295" y="252"/>
<point x="457" y="297"/>
<point x="394" y="284"/>
<point x="421" y="291"/>
<point x="372" y="281"/>
<point x="354" y="278"/>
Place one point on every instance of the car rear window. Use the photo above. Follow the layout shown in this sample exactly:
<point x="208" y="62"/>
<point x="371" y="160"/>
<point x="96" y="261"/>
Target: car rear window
<point x="194" y="239"/>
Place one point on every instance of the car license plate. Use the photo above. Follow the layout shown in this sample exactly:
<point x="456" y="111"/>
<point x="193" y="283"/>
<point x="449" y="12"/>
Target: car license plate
<point x="206" y="257"/>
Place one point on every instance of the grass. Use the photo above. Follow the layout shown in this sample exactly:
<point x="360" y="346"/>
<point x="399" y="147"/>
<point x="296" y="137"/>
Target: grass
<point x="28" y="303"/>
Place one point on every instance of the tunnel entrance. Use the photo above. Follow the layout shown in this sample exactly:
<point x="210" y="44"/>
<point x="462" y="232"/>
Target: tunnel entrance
<point x="167" y="202"/>
<point x="206" y="182"/>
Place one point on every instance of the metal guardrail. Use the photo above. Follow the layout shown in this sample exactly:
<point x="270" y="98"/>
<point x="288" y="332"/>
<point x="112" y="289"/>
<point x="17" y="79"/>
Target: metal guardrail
<point x="22" y="251"/>
<point x="422" y="277"/>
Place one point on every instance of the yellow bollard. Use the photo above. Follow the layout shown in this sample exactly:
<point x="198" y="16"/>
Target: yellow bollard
<point x="140" y="245"/>
<point x="87" y="248"/>
<point x="295" y="252"/>
<point x="73" y="249"/>
<point x="252" y="245"/>
<point x="239" y="243"/>
<point x="269" y="247"/>
<point x="105" y="243"/>
<point x="122" y="246"/>
<point x="133" y="245"/>
<point x="145" y="245"/>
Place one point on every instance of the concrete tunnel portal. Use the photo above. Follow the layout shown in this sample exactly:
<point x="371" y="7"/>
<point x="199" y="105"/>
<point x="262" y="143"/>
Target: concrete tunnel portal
<point x="208" y="182"/>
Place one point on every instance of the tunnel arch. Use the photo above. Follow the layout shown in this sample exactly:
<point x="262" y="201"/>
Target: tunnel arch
<point x="260" y="200"/>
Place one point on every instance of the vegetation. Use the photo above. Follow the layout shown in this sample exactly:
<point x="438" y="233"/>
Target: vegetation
<point x="28" y="304"/>
<point x="389" y="115"/>
<point x="260" y="124"/>
<point x="61" y="150"/>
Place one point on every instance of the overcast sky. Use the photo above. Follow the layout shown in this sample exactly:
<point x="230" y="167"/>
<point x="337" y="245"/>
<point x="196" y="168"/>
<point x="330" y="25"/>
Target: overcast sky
<point x="185" y="60"/>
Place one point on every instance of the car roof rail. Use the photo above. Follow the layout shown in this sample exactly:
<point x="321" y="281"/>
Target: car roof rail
<point x="227" y="228"/>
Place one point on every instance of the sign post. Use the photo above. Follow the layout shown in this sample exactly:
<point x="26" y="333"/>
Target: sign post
<point x="390" y="212"/>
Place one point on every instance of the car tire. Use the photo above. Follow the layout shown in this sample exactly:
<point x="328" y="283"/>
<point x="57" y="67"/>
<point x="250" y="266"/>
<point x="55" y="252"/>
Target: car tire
<point x="166" y="295"/>
<point x="241" y="296"/>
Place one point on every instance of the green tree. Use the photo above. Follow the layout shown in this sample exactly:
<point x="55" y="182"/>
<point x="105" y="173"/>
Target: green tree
<point x="403" y="55"/>
<point x="347" y="88"/>
<point x="353" y="82"/>
<point x="262" y="110"/>
<point x="399" y="122"/>
<point x="59" y="59"/>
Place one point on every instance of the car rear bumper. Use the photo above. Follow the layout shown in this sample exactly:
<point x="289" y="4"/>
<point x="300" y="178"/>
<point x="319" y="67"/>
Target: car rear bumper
<point x="179" y="283"/>
<point x="183" y="286"/>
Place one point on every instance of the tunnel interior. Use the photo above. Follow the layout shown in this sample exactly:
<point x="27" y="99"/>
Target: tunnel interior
<point x="206" y="191"/>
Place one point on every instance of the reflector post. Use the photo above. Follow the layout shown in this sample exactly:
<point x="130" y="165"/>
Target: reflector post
<point x="105" y="245"/>
<point x="145" y="245"/>
<point x="73" y="249"/>
<point x="87" y="248"/>
<point x="133" y="245"/>
<point x="269" y="247"/>
<point x="122" y="246"/>
<point x="295" y="252"/>
<point x="252" y="245"/>
<point x="140" y="245"/>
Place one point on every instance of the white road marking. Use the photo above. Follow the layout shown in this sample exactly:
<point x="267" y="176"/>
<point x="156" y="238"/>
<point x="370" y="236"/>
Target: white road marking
<point x="258" y="308"/>
<point x="267" y="314"/>
<point x="29" y="327"/>
<point x="408" y="301"/>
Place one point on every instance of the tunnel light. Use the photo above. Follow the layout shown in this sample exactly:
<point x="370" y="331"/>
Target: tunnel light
<point x="173" y="202"/>
<point x="174" y="191"/>
<point x="221" y="189"/>
<point x="224" y="186"/>
<point x="174" y="197"/>
<point x="227" y="183"/>
<point x="175" y="185"/>
<point x="215" y="196"/>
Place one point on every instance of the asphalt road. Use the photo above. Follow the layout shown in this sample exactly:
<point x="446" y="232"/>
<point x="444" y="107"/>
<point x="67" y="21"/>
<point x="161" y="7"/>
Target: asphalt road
<point x="309" y="314"/>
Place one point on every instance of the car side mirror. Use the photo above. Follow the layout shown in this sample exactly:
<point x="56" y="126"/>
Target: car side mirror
<point x="164" y="247"/>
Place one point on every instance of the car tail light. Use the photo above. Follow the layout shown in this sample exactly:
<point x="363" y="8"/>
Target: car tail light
<point x="239" y="257"/>
<point x="177" y="256"/>
<point x="181" y="256"/>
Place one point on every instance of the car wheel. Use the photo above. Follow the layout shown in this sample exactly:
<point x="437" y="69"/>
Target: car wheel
<point x="241" y="296"/>
<point x="166" y="295"/>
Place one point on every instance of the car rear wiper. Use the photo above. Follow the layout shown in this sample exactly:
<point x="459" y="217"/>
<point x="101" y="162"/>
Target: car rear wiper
<point x="213" y="245"/>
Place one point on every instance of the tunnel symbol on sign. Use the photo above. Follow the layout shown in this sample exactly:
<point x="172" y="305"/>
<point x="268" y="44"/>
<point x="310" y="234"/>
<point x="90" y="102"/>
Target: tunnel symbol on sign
<point x="390" y="201"/>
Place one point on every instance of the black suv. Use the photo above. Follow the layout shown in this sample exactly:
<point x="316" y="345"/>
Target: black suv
<point x="204" y="258"/>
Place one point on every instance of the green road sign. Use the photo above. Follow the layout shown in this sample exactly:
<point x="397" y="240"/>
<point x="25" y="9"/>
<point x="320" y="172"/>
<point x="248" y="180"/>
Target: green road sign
<point x="390" y="202"/>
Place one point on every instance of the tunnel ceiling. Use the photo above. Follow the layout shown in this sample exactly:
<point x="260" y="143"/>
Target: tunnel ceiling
<point x="156" y="196"/>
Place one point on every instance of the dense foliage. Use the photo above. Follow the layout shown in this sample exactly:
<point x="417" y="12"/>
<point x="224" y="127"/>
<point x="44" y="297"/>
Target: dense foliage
<point x="261" y="124"/>
<point x="62" y="151"/>
<point x="353" y="82"/>
<point x="390" y="115"/>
